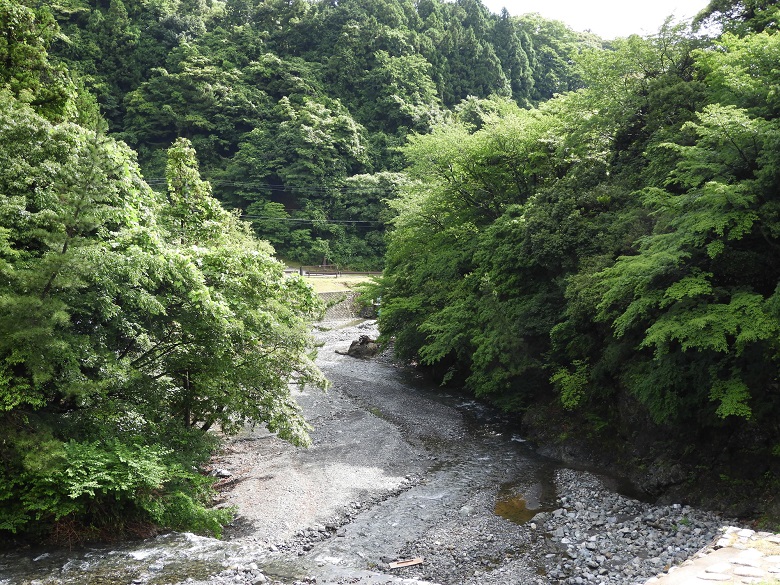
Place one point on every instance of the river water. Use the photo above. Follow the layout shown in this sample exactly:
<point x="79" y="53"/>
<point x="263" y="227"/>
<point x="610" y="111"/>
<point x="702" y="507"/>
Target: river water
<point x="399" y="469"/>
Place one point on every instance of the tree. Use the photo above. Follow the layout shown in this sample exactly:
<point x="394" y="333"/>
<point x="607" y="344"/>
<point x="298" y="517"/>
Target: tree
<point x="707" y="289"/>
<point x="553" y="59"/>
<point x="438" y="252"/>
<point x="130" y="327"/>
<point x="508" y="37"/>
<point x="739" y="16"/>
<point x="27" y="71"/>
<point x="208" y="104"/>
<point x="400" y="95"/>
<point x="251" y="323"/>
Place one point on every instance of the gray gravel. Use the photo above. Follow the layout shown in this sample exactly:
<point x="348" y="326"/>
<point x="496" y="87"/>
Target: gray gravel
<point x="592" y="536"/>
<point x="398" y="470"/>
<point x="442" y="509"/>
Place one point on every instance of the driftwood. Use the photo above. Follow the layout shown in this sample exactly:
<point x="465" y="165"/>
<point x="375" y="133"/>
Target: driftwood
<point x="405" y="563"/>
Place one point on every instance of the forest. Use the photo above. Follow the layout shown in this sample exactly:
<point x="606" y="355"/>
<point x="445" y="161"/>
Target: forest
<point x="582" y="229"/>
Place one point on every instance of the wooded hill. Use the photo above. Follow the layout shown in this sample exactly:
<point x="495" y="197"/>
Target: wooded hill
<point x="611" y="258"/>
<point x="587" y="229"/>
<point x="297" y="108"/>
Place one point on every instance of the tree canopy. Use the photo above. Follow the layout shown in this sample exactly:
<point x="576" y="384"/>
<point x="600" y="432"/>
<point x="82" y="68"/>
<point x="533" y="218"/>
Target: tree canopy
<point x="278" y="95"/>
<point x="616" y="243"/>
<point x="132" y="321"/>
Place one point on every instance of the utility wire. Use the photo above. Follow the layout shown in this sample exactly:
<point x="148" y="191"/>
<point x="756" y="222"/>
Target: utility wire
<point x="163" y="181"/>
<point x="299" y="220"/>
<point x="265" y="186"/>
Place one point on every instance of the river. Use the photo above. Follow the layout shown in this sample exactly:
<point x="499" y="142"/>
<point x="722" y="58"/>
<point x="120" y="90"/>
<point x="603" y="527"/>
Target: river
<point x="398" y="470"/>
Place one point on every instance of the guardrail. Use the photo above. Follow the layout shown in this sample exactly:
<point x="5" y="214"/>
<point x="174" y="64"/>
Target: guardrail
<point x="321" y="270"/>
<point x="329" y="270"/>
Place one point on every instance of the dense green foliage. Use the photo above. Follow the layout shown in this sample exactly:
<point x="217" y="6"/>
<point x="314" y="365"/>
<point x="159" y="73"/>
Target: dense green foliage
<point x="618" y="240"/>
<point x="286" y="102"/>
<point x="132" y="321"/>
<point x="571" y="222"/>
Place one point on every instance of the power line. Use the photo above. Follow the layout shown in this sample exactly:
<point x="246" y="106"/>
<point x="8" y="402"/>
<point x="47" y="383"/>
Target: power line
<point x="269" y="187"/>
<point x="163" y="181"/>
<point x="313" y="221"/>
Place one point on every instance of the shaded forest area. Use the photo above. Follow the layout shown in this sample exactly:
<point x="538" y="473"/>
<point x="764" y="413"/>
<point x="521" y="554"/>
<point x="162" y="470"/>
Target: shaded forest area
<point x="608" y="261"/>
<point x="583" y="231"/>
<point x="296" y="108"/>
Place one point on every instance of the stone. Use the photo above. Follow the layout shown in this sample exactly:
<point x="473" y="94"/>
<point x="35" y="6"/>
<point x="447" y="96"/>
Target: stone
<point x="718" y="568"/>
<point x="748" y="572"/>
<point x="713" y="577"/>
<point x="746" y="533"/>
<point x="364" y="347"/>
<point x="749" y="557"/>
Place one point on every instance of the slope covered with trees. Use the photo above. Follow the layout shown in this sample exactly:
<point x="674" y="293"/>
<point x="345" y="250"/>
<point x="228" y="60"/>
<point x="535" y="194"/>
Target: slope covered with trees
<point x="132" y="321"/>
<point x="587" y="230"/>
<point x="290" y="104"/>
<point x="612" y="253"/>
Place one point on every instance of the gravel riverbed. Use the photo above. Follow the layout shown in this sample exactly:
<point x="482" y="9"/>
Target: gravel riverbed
<point x="397" y="470"/>
<point x="421" y="477"/>
<point x="592" y="535"/>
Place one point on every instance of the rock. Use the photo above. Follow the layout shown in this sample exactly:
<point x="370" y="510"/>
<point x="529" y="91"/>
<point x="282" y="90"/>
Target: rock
<point x="364" y="347"/>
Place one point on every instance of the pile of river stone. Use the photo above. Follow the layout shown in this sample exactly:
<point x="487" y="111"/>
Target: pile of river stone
<point x="596" y="536"/>
<point x="592" y="535"/>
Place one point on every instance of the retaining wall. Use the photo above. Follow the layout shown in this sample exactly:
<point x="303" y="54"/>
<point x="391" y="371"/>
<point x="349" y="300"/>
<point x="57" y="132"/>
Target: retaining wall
<point x="341" y="305"/>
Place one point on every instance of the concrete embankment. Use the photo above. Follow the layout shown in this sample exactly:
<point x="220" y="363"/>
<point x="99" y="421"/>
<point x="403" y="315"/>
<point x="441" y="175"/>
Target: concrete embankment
<point x="739" y="555"/>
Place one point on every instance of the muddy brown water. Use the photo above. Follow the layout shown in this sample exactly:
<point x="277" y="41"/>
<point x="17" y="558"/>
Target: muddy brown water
<point x="466" y="460"/>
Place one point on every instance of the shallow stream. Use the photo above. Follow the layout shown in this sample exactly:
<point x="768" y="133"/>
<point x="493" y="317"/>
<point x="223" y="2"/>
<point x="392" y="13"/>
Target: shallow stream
<point x="452" y="475"/>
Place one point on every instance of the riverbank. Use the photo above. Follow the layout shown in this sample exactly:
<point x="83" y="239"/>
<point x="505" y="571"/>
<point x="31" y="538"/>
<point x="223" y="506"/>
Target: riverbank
<point x="398" y="470"/>
<point x="390" y="476"/>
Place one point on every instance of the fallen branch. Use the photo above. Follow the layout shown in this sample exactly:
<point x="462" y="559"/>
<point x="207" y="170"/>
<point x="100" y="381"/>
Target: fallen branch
<point x="405" y="563"/>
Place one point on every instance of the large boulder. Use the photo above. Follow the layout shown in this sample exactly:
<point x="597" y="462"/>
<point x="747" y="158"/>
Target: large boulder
<point x="364" y="347"/>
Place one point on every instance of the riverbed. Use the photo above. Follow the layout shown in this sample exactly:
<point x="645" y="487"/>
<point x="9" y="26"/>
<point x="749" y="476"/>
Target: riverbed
<point x="399" y="472"/>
